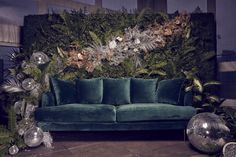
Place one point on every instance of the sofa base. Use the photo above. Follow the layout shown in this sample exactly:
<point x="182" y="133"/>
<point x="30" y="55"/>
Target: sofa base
<point x="80" y="126"/>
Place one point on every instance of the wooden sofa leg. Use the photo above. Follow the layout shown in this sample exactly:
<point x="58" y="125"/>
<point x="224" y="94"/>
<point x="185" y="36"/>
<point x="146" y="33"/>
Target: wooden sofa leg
<point x="184" y="135"/>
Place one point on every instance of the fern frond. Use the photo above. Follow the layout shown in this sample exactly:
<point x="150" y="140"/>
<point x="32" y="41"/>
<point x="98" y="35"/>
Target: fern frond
<point x="148" y="45"/>
<point x="95" y="38"/>
<point x="209" y="83"/>
<point x="12" y="86"/>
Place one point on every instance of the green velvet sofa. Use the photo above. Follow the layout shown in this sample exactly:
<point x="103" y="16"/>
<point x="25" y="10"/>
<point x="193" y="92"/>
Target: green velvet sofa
<point x="106" y="104"/>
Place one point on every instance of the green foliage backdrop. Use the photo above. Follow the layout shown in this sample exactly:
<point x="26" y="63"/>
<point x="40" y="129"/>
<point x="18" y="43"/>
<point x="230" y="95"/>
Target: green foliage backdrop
<point x="47" y="32"/>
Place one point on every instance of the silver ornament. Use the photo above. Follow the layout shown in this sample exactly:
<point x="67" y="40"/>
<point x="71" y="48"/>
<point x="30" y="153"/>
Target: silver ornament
<point x="30" y="108"/>
<point x="28" y="84"/>
<point x="47" y="140"/>
<point x="229" y="149"/>
<point x="207" y="132"/>
<point x="19" y="107"/>
<point x="33" y="137"/>
<point x="13" y="150"/>
<point x="21" y="131"/>
<point x="39" y="58"/>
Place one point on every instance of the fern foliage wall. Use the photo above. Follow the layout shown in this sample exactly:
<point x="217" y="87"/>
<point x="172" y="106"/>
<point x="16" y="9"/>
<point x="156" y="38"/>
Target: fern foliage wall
<point x="75" y="30"/>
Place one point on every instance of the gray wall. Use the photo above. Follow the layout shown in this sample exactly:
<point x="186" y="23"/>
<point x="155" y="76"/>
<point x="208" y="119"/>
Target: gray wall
<point x="226" y="25"/>
<point x="226" y="48"/>
<point x="186" y="5"/>
<point x="13" y="11"/>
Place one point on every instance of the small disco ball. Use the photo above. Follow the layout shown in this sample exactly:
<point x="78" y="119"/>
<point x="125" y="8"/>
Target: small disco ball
<point x="33" y="137"/>
<point x="39" y="58"/>
<point x="28" y="84"/>
<point x="13" y="150"/>
<point x="229" y="149"/>
<point x="207" y="132"/>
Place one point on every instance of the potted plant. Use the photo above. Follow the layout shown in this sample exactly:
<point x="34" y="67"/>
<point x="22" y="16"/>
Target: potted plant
<point x="205" y="97"/>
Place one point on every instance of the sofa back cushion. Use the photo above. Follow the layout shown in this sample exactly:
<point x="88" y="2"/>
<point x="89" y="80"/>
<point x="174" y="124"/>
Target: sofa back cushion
<point x="64" y="91"/>
<point x="116" y="91"/>
<point x="89" y="91"/>
<point x="143" y="90"/>
<point x="169" y="91"/>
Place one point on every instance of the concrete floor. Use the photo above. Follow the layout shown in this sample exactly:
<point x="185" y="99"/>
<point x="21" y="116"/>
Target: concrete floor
<point x="115" y="144"/>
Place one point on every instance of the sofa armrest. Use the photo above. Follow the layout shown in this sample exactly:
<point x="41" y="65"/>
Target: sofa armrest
<point x="188" y="99"/>
<point x="48" y="99"/>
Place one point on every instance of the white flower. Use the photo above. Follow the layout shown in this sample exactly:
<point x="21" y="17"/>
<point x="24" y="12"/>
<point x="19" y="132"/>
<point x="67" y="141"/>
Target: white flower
<point x="112" y="44"/>
<point x="137" y="41"/>
<point x="80" y="56"/>
<point x="126" y="48"/>
<point x="21" y="132"/>
<point x="119" y="39"/>
<point x="135" y="50"/>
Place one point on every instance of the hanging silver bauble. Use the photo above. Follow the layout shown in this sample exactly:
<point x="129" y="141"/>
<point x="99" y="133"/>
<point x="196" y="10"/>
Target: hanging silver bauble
<point x="13" y="150"/>
<point x="33" y="137"/>
<point x="207" y="132"/>
<point x="229" y="149"/>
<point x="19" y="107"/>
<point x="28" y="84"/>
<point x="39" y="58"/>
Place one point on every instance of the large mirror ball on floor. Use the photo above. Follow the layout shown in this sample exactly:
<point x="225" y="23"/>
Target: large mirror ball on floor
<point x="207" y="132"/>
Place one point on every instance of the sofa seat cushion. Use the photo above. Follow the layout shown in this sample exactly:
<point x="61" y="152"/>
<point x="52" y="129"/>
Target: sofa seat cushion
<point x="153" y="112"/>
<point x="76" y="113"/>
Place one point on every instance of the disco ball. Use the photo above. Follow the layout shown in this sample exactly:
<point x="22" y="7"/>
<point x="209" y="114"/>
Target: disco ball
<point x="207" y="132"/>
<point x="39" y="58"/>
<point x="33" y="137"/>
<point x="229" y="149"/>
<point x="28" y="84"/>
<point x="13" y="150"/>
